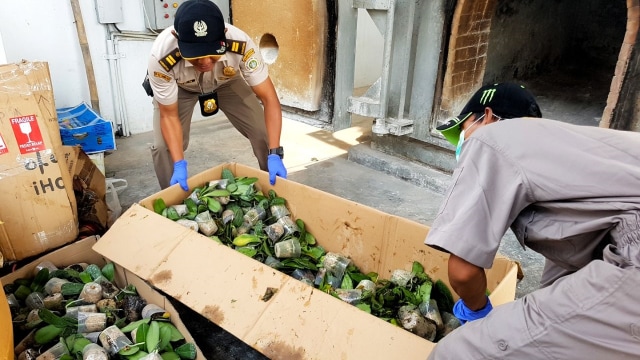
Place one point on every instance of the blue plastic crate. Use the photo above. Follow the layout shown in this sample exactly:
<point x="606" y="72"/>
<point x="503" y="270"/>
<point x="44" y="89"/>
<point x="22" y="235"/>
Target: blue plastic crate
<point x="80" y="125"/>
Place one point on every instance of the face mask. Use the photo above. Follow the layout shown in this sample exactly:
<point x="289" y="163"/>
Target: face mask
<point x="461" y="139"/>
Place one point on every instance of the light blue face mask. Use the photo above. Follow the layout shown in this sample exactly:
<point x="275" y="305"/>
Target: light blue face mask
<point x="461" y="139"/>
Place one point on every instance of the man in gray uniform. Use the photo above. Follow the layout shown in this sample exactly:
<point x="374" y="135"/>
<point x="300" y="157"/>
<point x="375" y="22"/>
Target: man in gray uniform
<point x="203" y="60"/>
<point x="571" y="193"/>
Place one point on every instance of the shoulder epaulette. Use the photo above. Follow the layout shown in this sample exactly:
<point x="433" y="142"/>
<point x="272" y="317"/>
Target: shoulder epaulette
<point x="171" y="59"/>
<point x="236" y="46"/>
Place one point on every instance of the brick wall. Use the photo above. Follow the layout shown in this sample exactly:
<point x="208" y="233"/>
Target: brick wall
<point x="630" y="38"/>
<point x="467" y="52"/>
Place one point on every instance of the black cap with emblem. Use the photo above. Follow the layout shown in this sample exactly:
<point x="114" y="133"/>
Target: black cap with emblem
<point x="507" y="100"/>
<point x="200" y="27"/>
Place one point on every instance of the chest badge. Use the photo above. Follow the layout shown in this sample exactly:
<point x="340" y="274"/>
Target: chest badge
<point x="229" y="71"/>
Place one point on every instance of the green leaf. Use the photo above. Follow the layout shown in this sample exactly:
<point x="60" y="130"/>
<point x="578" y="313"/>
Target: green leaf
<point x="172" y="214"/>
<point x="134" y="325"/>
<point x="129" y="350"/>
<point x="186" y="351"/>
<point x="159" y="206"/>
<point x="227" y="174"/>
<point x="153" y="336"/>
<point x="213" y="205"/>
<point x="364" y="307"/>
<point x="249" y="251"/>
<point x="109" y="271"/>
<point x="176" y="335"/>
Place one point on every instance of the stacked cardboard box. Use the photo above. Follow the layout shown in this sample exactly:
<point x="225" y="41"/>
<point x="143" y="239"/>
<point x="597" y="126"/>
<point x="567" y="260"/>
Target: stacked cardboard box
<point x="299" y="321"/>
<point x="38" y="209"/>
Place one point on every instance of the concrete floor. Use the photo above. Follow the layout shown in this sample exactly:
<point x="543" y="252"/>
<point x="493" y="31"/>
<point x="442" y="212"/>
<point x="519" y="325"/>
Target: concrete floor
<point x="314" y="157"/>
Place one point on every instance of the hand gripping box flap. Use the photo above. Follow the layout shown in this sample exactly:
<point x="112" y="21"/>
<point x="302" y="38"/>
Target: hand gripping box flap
<point x="298" y="321"/>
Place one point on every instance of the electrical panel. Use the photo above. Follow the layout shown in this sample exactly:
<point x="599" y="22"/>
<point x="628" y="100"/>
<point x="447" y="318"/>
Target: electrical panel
<point x="109" y="11"/>
<point x="160" y="14"/>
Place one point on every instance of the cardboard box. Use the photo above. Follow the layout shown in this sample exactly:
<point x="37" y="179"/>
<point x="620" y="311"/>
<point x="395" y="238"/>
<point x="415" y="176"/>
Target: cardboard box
<point x="298" y="321"/>
<point x="80" y="125"/>
<point x="80" y="251"/>
<point x="39" y="212"/>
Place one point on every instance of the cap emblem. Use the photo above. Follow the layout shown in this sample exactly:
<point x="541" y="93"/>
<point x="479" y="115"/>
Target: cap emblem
<point x="200" y="28"/>
<point x="487" y="96"/>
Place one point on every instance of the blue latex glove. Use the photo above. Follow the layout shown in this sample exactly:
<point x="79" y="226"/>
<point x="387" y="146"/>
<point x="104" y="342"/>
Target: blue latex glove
<point x="180" y="174"/>
<point x="464" y="314"/>
<point x="276" y="167"/>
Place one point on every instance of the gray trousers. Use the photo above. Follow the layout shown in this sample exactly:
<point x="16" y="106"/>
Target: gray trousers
<point x="241" y="106"/>
<point x="590" y="314"/>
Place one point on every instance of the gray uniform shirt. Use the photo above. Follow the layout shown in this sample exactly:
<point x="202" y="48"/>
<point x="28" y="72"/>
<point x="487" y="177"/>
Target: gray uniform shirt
<point x="566" y="191"/>
<point x="167" y="71"/>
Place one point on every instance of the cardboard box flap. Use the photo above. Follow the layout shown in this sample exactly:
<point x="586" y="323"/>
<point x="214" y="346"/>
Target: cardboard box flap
<point x="228" y="289"/>
<point x="141" y="246"/>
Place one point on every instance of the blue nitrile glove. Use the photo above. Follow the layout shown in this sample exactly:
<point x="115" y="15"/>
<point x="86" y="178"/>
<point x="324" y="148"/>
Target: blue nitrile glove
<point x="180" y="174"/>
<point x="276" y="167"/>
<point x="464" y="314"/>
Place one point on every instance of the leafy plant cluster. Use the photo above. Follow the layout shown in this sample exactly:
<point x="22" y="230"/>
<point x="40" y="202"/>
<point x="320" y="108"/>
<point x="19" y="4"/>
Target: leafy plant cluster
<point x="232" y="202"/>
<point x="47" y="320"/>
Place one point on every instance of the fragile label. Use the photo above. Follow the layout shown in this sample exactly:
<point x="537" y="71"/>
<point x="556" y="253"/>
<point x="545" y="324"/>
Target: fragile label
<point x="3" y="146"/>
<point x="27" y="133"/>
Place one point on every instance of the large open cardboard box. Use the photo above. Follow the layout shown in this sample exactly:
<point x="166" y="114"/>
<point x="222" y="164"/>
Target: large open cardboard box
<point x="78" y="252"/>
<point x="298" y="322"/>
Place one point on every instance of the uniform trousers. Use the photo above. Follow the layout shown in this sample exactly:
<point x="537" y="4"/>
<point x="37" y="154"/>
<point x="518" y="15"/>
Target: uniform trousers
<point x="241" y="106"/>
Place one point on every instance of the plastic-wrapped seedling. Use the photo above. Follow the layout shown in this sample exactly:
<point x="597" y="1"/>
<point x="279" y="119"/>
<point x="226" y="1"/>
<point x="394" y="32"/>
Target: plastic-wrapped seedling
<point x="35" y="300"/>
<point x="288" y="224"/>
<point x="54" y="302"/>
<point x="367" y="286"/>
<point x="279" y="211"/>
<point x="73" y="311"/>
<point x="188" y="224"/>
<point x="54" y="352"/>
<point x="320" y="277"/>
<point x="181" y="209"/>
<point x="254" y="214"/>
<point x="154" y="312"/>
<point x="227" y="216"/>
<point x="274" y="232"/>
<point x="305" y="276"/>
<point x="350" y="296"/>
<point x="194" y="196"/>
<point x="206" y="224"/>
<point x="54" y="285"/>
<point x="91" y="322"/>
<point x="109" y="290"/>
<point x="451" y="322"/>
<point x="288" y="249"/>
<point x="219" y="183"/>
<point x="429" y="309"/>
<point x="91" y="292"/>
<point x="44" y="264"/>
<point x="401" y="277"/>
<point x="113" y="340"/>
<point x="94" y="352"/>
<point x="273" y="262"/>
<point x="336" y="264"/>
<point x="411" y="319"/>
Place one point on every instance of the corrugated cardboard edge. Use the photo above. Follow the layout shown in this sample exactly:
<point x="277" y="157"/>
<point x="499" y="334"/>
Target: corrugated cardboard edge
<point x="78" y="252"/>
<point x="298" y="321"/>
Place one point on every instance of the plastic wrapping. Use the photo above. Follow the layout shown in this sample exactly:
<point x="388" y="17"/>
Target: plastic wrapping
<point x="288" y="249"/>
<point x="254" y="214"/>
<point x="288" y="224"/>
<point x="91" y="322"/>
<point x="336" y="264"/>
<point x="206" y="224"/>
<point x="113" y="340"/>
<point x="54" y="285"/>
<point x="91" y="292"/>
<point x="279" y="211"/>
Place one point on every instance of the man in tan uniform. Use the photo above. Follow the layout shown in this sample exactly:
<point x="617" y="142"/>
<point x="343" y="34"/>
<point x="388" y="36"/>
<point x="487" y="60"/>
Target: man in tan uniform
<point x="203" y="60"/>
<point x="571" y="193"/>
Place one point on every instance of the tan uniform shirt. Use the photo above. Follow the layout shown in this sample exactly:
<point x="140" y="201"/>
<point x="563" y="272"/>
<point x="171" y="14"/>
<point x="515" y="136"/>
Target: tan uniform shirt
<point x="168" y="71"/>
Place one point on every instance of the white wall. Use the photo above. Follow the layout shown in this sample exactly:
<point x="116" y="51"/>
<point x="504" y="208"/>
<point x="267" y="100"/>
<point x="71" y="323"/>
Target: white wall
<point x="38" y="30"/>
